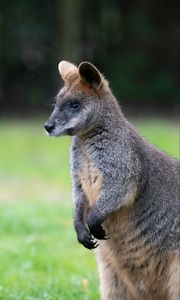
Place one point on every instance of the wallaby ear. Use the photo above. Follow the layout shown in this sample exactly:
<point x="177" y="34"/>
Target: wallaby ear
<point x="66" y="69"/>
<point x="90" y="74"/>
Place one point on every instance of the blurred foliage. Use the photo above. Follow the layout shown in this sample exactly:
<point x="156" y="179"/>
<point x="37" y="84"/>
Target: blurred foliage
<point x="135" y="43"/>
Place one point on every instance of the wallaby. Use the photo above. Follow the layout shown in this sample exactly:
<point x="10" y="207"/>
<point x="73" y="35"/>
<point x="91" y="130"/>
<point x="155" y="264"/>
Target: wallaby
<point x="126" y="204"/>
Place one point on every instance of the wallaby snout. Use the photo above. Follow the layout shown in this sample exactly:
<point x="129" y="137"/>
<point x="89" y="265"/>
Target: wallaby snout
<point x="49" y="127"/>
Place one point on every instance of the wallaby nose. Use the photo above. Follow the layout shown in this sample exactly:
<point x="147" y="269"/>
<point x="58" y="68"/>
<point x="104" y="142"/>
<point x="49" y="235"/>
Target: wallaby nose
<point x="49" y="127"/>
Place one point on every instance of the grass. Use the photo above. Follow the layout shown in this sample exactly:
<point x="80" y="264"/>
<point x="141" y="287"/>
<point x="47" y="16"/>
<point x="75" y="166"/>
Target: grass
<point x="40" y="258"/>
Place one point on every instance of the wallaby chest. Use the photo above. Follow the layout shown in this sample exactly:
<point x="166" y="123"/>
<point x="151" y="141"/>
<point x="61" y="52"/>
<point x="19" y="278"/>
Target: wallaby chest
<point x="87" y="171"/>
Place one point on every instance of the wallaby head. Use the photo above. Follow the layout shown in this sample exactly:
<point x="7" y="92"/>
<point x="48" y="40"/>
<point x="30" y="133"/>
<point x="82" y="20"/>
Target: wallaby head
<point x="77" y="108"/>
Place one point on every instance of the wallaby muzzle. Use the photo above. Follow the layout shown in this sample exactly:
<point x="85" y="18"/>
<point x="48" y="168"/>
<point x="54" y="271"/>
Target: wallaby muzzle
<point x="49" y="127"/>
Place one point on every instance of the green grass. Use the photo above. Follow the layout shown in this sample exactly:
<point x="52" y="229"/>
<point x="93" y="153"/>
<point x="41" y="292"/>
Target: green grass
<point x="40" y="258"/>
<point x="39" y="255"/>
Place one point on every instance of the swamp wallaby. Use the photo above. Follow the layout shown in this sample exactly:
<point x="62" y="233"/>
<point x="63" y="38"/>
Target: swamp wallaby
<point x="126" y="204"/>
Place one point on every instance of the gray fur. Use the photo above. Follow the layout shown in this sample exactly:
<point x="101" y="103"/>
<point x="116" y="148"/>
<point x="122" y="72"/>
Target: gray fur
<point x="132" y="170"/>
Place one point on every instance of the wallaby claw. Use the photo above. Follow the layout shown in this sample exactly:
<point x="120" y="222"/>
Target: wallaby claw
<point x="87" y="240"/>
<point x="96" y="245"/>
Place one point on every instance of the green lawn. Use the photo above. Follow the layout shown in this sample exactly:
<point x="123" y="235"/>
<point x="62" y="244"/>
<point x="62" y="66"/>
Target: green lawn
<point x="39" y="255"/>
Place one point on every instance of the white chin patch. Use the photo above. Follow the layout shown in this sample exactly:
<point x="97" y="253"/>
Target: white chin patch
<point x="46" y="132"/>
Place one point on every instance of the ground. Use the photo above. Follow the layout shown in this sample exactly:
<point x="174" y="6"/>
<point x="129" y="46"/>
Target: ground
<point x="40" y="257"/>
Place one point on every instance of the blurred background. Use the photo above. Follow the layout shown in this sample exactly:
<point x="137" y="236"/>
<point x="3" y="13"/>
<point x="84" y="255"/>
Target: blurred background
<point x="136" y="45"/>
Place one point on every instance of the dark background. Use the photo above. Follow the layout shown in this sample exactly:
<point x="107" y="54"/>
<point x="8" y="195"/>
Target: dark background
<point x="134" y="43"/>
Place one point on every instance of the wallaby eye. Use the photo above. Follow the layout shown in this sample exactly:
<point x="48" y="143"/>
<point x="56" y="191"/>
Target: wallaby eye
<point x="75" y="105"/>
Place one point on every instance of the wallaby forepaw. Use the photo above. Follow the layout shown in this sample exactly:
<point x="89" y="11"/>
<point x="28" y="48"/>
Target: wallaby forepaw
<point x="87" y="240"/>
<point x="97" y="230"/>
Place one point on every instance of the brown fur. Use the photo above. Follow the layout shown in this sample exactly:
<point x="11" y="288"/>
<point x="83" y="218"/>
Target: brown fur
<point x="126" y="252"/>
<point x="91" y="181"/>
<point x="69" y="72"/>
<point x="112" y="287"/>
<point x="174" y="277"/>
